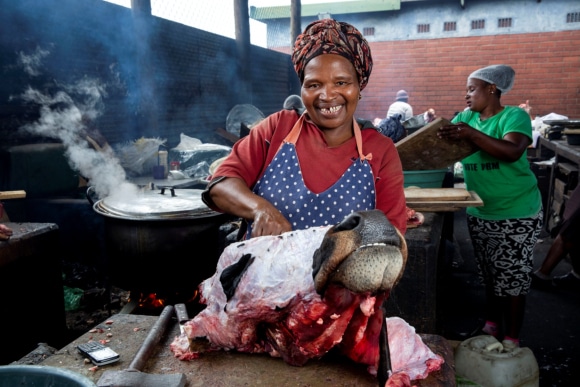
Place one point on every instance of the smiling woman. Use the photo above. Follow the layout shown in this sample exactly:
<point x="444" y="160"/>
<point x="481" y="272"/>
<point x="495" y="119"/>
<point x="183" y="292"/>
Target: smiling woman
<point x="300" y="171"/>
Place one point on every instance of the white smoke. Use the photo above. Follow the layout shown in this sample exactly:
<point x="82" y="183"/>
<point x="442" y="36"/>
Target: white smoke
<point x="63" y="117"/>
<point x="31" y="63"/>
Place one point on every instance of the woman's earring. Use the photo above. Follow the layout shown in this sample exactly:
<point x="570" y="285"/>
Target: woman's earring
<point x="360" y="97"/>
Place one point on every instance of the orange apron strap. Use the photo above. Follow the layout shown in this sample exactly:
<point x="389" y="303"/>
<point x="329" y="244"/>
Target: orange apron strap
<point x="358" y="138"/>
<point x="292" y="137"/>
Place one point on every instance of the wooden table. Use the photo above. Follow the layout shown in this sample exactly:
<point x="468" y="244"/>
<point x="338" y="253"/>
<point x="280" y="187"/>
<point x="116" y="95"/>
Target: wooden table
<point x="415" y="297"/>
<point x="32" y="308"/>
<point x="127" y="333"/>
<point x="563" y="176"/>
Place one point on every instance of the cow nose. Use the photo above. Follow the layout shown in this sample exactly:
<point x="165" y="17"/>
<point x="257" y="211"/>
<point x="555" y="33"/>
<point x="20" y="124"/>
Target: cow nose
<point x="373" y="227"/>
<point x="351" y="222"/>
<point x="368" y="240"/>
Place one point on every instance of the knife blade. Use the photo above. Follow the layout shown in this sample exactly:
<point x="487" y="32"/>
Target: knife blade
<point x="182" y="316"/>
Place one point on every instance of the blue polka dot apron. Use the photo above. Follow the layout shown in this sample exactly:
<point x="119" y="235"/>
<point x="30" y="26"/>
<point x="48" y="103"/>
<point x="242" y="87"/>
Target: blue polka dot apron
<point x="283" y="186"/>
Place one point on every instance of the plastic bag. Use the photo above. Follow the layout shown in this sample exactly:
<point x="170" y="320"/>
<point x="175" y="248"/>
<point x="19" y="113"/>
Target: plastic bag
<point x="195" y="157"/>
<point x="458" y="170"/>
<point x="72" y="298"/>
<point x="200" y="169"/>
<point x="139" y="156"/>
<point x="187" y="143"/>
<point x="392" y="128"/>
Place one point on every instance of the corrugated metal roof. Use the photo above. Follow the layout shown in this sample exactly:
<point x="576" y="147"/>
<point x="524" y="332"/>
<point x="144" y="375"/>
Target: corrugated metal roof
<point x="338" y="8"/>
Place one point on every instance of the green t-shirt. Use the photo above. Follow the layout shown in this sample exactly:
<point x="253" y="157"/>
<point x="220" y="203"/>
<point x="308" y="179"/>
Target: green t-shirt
<point x="509" y="190"/>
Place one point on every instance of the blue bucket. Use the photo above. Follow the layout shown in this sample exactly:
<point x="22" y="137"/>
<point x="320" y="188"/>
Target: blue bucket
<point x="41" y="376"/>
<point x="424" y="179"/>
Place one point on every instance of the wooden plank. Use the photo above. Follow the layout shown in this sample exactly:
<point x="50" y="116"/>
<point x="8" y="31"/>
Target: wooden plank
<point x="444" y="205"/>
<point x="12" y="195"/>
<point x="436" y="194"/>
<point x="229" y="368"/>
<point x="423" y="150"/>
<point x="227" y="135"/>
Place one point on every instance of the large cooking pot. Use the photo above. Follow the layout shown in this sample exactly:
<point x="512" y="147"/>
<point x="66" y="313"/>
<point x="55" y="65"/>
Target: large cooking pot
<point x="161" y="240"/>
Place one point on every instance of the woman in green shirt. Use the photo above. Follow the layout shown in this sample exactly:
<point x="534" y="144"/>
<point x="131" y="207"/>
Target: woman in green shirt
<point x="505" y="229"/>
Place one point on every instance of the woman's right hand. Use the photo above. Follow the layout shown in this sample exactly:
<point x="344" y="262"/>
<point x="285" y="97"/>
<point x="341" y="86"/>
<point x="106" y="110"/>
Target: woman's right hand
<point x="232" y="196"/>
<point x="269" y="221"/>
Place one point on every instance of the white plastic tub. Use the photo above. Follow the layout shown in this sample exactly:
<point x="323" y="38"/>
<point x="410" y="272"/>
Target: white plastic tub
<point x="484" y="360"/>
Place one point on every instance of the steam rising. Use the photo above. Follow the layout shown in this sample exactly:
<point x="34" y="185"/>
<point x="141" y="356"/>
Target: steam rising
<point x="31" y="63"/>
<point x="64" y="115"/>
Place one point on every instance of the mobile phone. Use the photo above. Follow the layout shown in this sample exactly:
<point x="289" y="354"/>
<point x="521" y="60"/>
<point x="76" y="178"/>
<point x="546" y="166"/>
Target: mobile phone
<point x="98" y="353"/>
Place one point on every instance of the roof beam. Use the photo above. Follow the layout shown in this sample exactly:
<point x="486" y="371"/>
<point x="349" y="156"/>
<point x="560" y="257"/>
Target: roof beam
<point x="335" y="8"/>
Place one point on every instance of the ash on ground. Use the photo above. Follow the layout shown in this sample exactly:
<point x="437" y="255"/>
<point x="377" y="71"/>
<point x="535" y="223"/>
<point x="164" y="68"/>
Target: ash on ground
<point x="95" y="304"/>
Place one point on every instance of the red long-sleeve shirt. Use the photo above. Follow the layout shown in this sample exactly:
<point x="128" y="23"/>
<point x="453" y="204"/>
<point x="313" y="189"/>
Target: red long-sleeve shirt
<point x="321" y="165"/>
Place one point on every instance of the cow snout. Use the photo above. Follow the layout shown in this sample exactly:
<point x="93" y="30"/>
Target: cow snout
<point x="364" y="253"/>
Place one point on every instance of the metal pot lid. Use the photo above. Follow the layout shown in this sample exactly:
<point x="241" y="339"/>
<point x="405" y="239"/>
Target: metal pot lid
<point x="247" y="114"/>
<point x="571" y="124"/>
<point x="160" y="204"/>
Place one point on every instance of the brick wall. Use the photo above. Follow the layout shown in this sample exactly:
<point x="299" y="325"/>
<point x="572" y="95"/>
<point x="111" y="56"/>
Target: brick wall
<point x="187" y="83"/>
<point x="196" y="81"/>
<point x="434" y="72"/>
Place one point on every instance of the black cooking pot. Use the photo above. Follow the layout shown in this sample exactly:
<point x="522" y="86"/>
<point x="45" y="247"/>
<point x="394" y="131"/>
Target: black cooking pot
<point x="161" y="240"/>
<point x="554" y="132"/>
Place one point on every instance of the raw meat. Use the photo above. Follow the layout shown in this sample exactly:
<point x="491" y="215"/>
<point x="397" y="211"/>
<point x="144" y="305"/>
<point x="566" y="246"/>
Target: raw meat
<point x="408" y="352"/>
<point x="300" y="294"/>
<point x="414" y="218"/>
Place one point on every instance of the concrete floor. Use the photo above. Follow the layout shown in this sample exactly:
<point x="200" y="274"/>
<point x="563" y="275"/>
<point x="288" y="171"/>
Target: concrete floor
<point x="552" y="323"/>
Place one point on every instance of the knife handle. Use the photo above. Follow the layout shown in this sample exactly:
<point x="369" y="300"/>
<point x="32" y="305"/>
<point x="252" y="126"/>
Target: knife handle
<point x="181" y="312"/>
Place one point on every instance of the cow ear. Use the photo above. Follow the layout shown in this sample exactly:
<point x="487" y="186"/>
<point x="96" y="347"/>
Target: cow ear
<point x="231" y="275"/>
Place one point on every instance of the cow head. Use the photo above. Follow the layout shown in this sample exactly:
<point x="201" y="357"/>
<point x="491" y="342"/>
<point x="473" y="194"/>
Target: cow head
<point x="364" y="253"/>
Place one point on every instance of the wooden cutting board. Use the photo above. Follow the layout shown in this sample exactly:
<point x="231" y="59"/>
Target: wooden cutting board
<point x="12" y="195"/>
<point x="423" y="150"/>
<point x="445" y="201"/>
<point x="436" y="194"/>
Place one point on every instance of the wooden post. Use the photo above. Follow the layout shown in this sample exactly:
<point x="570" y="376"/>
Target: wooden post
<point x="242" y="22"/>
<point x="147" y="114"/>
<point x="295" y="16"/>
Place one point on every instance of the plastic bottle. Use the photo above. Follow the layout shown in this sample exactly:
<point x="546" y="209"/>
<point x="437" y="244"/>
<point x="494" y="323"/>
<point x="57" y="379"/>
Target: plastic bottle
<point x="163" y="162"/>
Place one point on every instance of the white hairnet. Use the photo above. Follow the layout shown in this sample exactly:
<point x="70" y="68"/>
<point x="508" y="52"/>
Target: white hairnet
<point x="502" y="76"/>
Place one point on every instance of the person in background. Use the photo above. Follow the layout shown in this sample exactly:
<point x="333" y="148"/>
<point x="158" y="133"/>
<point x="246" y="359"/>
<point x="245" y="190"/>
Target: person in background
<point x="505" y="229"/>
<point x="294" y="102"/>
<point x="399" y="111"/>
<point x="401" y="106"/>
<point x="295" y="172"/>
<point x="565" y="243"/>
<point x="429" y="115"/>
<point x="5" y="232"/>
<point x="526" y="106"/>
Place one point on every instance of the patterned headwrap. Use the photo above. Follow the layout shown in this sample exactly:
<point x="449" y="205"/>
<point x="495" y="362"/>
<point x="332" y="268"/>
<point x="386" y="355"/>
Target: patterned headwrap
<point x="328" y="36"/>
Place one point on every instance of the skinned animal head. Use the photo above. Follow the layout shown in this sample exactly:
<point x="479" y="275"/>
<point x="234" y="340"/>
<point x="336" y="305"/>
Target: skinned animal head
<point x="364" y="253"/>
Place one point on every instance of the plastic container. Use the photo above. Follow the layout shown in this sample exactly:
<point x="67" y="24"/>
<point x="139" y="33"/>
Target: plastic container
<point x="163" y="161"/>
<point x="573" y="139"/>
<point x="174" y="166"/>
<point x="41" y="376"/>
<point x="484" y="360"/>
<point x="424" y="179"/>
